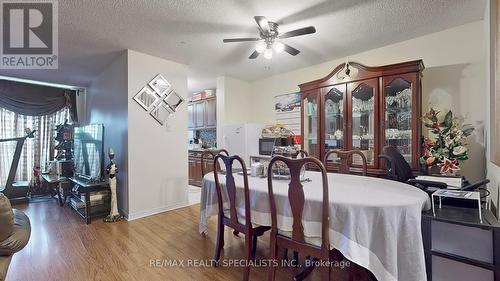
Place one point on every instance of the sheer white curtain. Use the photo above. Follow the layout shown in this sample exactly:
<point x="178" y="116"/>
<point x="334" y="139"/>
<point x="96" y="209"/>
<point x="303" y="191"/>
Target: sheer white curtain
<point x="36" y="151"/>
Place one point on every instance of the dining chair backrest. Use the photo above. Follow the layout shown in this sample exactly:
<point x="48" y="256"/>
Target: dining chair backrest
<point x="296" y="197"/>
<point x="302" y="154"/>
<point x="212" y="153"/>
<point x="346" y="157"/>
<point x="299" y="153"/>
<point x="230" y="188"/>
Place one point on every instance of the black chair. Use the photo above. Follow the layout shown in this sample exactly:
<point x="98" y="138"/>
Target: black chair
<point x="399" y="170"/>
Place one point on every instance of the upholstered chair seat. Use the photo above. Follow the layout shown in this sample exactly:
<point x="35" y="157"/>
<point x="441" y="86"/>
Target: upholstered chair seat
<point x="15" y="231"/>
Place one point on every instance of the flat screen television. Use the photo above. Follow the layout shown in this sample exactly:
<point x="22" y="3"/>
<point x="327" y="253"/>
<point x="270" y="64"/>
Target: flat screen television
<point x="88" y="148"/>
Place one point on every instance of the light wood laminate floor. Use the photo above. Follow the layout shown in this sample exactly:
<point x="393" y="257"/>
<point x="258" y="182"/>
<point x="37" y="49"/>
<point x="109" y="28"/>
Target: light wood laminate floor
<point x="62" y="247"/>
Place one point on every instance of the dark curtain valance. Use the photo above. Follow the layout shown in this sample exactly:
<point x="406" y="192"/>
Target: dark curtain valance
<point x="36" y="100"/>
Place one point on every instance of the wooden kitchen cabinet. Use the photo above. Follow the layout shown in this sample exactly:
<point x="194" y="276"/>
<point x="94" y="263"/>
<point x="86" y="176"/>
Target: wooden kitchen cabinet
<point x="199" y="115"/>
<point x="194" y="171"/>
<point x="210" y="113"/>
<point x="368" y="109"/>
<point x="190" y="110"/>
<point x="202" y="114"/>
<point x="194" y="164"/>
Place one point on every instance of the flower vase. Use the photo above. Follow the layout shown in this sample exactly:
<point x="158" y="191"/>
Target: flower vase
<point x="433" y="170"/>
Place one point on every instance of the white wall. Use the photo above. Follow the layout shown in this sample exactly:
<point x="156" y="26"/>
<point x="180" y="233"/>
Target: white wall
<point x="233" y="103"/>
<point x="454" y="78"/>
<point x="158" y="175"/>
<point x="493" y="171"/>
<point x="107" y="104"/>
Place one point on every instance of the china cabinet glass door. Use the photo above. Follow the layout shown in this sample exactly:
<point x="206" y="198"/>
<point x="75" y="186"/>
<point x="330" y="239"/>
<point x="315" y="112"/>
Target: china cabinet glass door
<point x="398" y="95"/>
<point x="363" y="100"/>
<point x="334" y="119"/>
<point x="310" y="123"/>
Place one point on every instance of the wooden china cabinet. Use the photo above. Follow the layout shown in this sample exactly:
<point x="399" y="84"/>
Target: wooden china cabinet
<point x="365" y="108"/>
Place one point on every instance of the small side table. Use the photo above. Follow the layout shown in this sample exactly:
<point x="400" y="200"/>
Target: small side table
<point x="56" y="183"/>
<point x="85" y="188"/>
<point x="457" y="194"/>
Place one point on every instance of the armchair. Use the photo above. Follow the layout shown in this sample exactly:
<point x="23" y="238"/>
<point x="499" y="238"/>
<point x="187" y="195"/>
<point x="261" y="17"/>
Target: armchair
<point x="15" y="231"/>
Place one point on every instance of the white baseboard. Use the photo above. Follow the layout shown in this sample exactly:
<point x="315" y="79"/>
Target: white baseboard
<point x="154" y="211"/>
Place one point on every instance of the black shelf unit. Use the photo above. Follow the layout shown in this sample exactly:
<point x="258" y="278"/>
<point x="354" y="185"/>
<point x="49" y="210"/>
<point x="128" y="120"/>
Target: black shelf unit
<point x="465" y="217"/>
<point x="86" y="188"/>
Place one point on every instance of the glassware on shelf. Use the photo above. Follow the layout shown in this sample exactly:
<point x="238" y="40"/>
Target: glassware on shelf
<point x="310" y="124"/>
<point x="398" y="116"/>
<point x="334" y="118"/>
<point x="363" y="118"/>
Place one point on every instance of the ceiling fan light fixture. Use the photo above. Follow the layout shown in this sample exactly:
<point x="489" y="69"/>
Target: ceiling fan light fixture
<point x="270" y="39"/>
<point x="263" y="22"/>
<point x="268" y="54"/>
<point x="260" y="47"/>
<point x="278" y="47"/>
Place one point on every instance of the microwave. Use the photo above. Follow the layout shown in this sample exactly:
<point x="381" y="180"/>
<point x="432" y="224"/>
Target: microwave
<point x="266" y="145"/>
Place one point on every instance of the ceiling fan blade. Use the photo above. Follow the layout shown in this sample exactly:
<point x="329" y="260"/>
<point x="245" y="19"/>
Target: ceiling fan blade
<point x="262" y="23"/>
<point x="291" y="50"/>
<point x="240" y="40"/>
<point x="298" y="32"/>
<point x="254" y="55"/>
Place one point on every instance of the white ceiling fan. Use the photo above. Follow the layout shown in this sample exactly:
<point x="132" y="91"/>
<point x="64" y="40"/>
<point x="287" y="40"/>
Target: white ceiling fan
<point x="270" y="38"/>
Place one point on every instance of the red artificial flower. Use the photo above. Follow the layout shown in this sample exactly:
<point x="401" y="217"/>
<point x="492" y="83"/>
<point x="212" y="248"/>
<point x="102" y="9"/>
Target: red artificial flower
<point x="430" y="160"/>
<point x="449" y="166"/>
<point x="435" y="126"/>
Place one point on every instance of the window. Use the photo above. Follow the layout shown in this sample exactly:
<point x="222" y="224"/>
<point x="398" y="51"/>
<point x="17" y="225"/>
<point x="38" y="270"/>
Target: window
<point x="37" y="151"/>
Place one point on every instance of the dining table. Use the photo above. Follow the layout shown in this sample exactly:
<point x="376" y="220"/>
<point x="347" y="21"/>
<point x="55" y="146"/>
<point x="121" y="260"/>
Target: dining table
<point x="373" y="222"/>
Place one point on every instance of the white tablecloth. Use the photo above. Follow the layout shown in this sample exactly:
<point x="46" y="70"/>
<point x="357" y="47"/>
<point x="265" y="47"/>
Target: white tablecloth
<point x="373" y="222"/>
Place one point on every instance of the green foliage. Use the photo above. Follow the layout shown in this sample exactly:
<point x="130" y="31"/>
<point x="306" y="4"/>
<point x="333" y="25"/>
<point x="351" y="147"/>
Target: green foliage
<point x="448" y="138"/>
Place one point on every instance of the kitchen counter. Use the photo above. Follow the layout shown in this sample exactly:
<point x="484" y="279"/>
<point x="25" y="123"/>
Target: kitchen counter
<point x="197" y="150"/>
<point x="194" y="165"/>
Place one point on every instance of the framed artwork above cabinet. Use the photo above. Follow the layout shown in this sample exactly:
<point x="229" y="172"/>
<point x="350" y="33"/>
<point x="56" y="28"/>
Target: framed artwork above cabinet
<point x="365" y="108"/>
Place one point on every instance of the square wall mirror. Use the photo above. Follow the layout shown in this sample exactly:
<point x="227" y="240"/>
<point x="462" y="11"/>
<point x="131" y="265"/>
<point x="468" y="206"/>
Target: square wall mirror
<point x="173" y="100"/>
<point x="160" y="85"/>
<point x="146" y="98"/>
<point x="161" y="113"/>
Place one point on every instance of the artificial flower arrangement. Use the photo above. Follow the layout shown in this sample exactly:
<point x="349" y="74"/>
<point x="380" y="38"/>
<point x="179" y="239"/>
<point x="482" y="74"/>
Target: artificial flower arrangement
<point x="446" y="147"/>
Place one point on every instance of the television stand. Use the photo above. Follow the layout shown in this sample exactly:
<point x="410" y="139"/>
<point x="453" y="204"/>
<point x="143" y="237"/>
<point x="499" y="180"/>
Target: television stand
<point x="85" y="188"/>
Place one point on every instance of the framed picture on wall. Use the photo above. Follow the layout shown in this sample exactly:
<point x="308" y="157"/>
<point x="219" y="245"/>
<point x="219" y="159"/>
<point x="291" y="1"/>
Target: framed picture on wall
<point x="287" y="111"/>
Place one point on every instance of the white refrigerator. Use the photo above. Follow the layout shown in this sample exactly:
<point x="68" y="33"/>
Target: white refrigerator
<point x="242" y="140"/>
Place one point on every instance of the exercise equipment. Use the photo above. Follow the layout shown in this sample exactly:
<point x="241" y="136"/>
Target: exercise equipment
<point x="16" y="191"/>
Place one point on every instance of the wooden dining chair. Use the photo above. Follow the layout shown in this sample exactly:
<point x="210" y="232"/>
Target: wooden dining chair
<point x="355" y="271"/>
<point x="345" y="160"/>
<point x="296" y="199"/>
<point x="302" y="154"/>
<point x="212" y="153"/>
<point x="231" y="219"/>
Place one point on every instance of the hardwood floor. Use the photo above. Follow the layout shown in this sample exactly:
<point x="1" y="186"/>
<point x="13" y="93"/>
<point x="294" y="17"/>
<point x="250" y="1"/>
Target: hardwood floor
<point x="62" y="247"/>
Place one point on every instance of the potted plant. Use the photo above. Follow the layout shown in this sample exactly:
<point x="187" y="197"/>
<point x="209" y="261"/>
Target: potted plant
<point x="446" y="146"/>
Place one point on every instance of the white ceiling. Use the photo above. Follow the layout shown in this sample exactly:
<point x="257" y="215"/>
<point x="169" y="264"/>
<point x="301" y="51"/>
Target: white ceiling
<point x="93" y="32"/>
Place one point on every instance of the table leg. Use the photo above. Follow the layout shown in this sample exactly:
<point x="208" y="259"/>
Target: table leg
<point x="87" y="207"/>
<point x="480" y="214"/>
<point x="59" y="197"/>
<point x="433" y="207"/>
